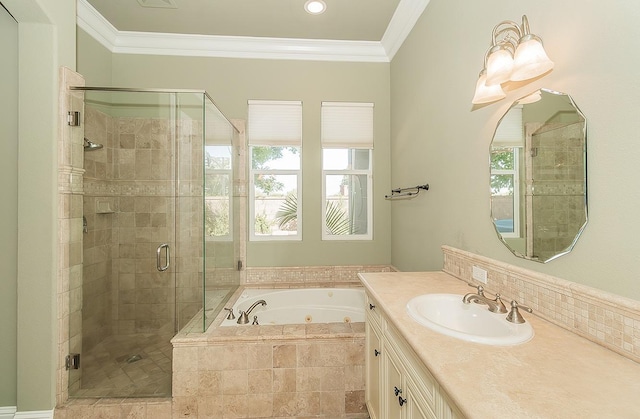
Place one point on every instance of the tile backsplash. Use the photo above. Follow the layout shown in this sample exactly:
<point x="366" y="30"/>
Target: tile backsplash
<point x="299" y="275"/>
<point x="609" y="320"/>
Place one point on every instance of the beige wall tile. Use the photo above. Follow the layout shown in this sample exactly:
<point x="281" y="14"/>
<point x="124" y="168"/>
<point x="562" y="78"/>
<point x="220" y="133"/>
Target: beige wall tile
<point x="235" y="357"/>
<point x="284" y="380"/>
<point x="184" y="407"/>
<point x="260" y="381"/>
<point x="332" y="403"/>
<point x="354" y="402"/>
<point x="296" y="404"/>
<point x="260" y="405"/>
<point x="235" y="406"/>
<point x="235" y="382"/>
<point x="260" y="356"/>
<point x="209" y="407"/>
<point x="284" y="356"/>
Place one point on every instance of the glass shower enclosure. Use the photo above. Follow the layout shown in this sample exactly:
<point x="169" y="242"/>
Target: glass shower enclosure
<point x="160" y="248"/>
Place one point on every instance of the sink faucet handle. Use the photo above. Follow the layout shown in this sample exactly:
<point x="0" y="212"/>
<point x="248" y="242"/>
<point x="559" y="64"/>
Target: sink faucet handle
<point x="514" y="315"/>
<point x="480" y="288"/>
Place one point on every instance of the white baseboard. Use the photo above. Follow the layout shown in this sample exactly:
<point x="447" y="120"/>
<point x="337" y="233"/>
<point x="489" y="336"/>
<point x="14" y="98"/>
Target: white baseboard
<point x="35" y="414"/>
<point x="10" y="412"/>
<point x="7" y="412"/>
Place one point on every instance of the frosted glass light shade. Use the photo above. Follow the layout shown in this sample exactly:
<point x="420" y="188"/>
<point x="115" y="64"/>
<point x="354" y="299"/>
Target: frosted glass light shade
<point x="486" y="94"/>
<point x="532" y="98"/>
<point x="499" y="66"/>
<point x="530" y="60"/>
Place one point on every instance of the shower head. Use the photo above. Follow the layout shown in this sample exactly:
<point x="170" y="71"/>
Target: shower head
<point x="90" y="145"/>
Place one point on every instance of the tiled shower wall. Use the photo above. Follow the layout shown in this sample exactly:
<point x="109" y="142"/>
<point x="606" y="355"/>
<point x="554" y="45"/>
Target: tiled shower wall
<point x="130" y="183"/>
<point x="557" y="205"/>
<point x="606" y="319"/>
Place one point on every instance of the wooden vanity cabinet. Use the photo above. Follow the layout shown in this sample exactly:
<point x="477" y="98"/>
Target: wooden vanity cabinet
<point x="373" y="365"/>
<point x="398" y="386"/>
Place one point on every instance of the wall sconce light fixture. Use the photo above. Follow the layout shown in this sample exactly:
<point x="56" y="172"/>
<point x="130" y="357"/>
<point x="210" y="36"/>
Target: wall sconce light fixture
<point x="515" y="55"/>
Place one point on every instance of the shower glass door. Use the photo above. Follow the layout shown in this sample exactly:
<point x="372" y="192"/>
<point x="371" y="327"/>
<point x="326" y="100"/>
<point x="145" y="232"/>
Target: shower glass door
<point x="144" y="240"/>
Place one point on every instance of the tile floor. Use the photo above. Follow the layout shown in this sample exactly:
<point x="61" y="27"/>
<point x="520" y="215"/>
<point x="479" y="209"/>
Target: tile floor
<point x="127" y="366"/>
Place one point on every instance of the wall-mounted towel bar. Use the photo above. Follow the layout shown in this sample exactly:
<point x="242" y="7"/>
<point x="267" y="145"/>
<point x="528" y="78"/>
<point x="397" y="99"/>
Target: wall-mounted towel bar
<point x="406" y="192"/>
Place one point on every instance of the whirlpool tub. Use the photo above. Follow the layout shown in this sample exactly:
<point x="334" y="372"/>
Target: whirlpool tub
<point x="300" y="306"/>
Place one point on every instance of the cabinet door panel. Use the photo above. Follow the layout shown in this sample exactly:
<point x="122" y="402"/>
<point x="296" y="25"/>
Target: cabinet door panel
<point x="392" y="388"/>
<point x="417" y="406"/>
<point x="374" y="369"/>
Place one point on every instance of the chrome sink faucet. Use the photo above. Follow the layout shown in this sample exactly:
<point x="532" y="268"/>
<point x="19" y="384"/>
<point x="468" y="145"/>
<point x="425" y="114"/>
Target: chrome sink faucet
<point x="243" y="317"/>
<point x="495" y="306"/>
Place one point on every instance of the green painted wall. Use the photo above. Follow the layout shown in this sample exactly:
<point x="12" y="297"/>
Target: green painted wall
<point x="231" y="82"/>
<point x="94" y="60"/>
<point x="8" y="205"/>
<point x="46" y="41"/>
<point x="438" y="138"/>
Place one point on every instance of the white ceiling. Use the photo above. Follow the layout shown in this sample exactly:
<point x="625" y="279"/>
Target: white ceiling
<point x="349" y="30"/>
<point x="259" y="18"/>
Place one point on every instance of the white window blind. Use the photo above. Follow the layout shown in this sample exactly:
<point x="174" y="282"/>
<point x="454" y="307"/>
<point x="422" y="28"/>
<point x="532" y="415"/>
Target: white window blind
<point x="275" y="123"/>
<point x="347" y="125"/>
<point x="510" y="132"/>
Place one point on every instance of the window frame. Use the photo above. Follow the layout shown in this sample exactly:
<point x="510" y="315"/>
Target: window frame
<point x="515" y="173"/>
<point x="274" y="123"/>
<point x="229" y="173"/>
<point x="252" y="198"/>
<point x="346" y="172"/>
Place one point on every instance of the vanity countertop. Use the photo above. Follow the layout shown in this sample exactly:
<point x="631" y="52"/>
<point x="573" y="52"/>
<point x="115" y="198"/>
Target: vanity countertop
<point x="557" y="374"/>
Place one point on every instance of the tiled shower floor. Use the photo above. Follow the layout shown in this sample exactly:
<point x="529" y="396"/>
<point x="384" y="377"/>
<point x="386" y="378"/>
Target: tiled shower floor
<point x="127" y="366"/>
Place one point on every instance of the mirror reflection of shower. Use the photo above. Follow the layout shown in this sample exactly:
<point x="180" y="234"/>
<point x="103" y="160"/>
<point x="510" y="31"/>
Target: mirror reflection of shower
<point x="90" y="145"/>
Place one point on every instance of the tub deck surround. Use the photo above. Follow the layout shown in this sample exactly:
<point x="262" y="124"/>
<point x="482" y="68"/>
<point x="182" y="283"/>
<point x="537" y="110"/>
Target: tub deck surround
<point x="291" y="370"/>
<point x="556" y="374"/>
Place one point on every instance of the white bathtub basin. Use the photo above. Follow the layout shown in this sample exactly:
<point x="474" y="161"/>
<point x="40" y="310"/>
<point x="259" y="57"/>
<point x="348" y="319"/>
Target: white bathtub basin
<point x="301" y="305"/>
<point x="447" y="314"/>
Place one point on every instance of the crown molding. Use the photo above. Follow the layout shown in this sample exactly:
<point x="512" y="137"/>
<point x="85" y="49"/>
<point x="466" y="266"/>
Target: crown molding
<point x="151" y="43"/>
<point x="401" y="24"/>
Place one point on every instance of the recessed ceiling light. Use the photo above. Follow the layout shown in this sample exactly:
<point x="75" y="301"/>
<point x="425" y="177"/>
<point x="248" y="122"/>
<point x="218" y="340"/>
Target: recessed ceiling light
<point x="315" y="7"/>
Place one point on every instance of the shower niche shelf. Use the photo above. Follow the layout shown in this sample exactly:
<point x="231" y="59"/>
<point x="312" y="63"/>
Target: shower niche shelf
<point x="104" y="206"/>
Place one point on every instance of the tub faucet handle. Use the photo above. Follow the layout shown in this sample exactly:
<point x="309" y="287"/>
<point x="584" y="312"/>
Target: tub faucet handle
<point x="230" y="316"/>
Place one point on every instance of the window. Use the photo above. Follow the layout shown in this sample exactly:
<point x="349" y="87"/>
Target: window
<point x="347" y="142"/>
<point x="217" y="192"/>
<point x="505" y="187"/>
<point x="507" y="143"/>
<point x="275" y="137"/>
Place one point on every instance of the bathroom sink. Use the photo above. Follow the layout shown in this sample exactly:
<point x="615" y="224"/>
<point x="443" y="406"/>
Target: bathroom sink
<point x="447" y="314"/>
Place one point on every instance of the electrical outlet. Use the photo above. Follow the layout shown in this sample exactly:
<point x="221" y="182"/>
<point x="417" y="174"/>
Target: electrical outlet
<point x="479" y="274"/>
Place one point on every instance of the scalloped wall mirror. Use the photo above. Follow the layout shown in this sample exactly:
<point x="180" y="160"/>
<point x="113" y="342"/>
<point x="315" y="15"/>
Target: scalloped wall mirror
<point x="538" y="166"/>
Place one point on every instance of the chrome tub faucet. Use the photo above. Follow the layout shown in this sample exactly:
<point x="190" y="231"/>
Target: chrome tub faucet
<point x="243" y="316"/>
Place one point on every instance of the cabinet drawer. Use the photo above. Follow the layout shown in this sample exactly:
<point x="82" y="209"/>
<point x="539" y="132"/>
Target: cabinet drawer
<point x="373" y="312"/>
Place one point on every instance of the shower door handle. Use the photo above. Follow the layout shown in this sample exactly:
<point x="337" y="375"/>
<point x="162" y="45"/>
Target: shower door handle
<point x="167" y="257"/>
